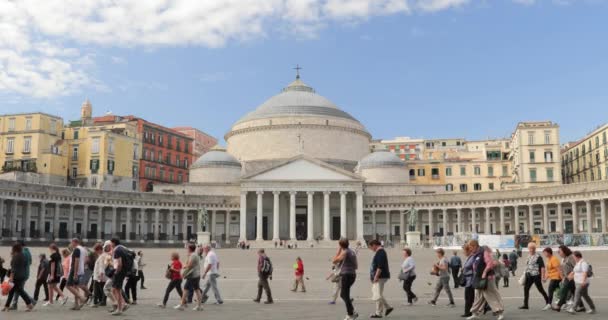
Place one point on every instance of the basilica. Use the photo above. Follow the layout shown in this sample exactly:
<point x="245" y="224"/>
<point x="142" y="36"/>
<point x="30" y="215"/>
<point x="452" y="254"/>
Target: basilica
<point x="299" y="169"/>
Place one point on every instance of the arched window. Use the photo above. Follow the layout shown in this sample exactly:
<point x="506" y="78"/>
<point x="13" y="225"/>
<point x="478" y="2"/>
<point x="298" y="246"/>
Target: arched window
<point x="449" y="187"/>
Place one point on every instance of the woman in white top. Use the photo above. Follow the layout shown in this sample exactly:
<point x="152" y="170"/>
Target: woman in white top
<point x="580" y="275"/>
<point x="408" y="269"/>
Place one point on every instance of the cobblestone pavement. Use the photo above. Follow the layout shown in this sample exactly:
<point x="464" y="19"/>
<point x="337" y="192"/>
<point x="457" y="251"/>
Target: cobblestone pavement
<point x="238" y="285"/>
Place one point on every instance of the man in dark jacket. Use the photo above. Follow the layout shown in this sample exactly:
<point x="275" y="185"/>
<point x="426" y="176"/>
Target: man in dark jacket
<point x="379" y="275"/>
<point x="513" y="256"/>
<point x="41" y="278"/>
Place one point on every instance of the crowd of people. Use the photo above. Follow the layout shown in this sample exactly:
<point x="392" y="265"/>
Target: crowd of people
<point x="109" y="274"/>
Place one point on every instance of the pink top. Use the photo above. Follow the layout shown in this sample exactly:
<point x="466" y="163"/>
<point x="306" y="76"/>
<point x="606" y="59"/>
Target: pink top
<point x="489" y="260"/>
<point x="65" y="264"/>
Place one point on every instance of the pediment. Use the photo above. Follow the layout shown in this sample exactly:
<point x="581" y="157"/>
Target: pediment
<point x="303" y="169"/>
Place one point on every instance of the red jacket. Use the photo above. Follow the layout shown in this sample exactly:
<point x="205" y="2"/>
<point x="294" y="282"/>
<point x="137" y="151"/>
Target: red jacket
<point x="300" y="268"/>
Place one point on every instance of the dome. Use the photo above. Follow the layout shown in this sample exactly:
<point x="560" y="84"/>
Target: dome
<point x="216" y="158"/>
<point x="380" y="159"/>
<point x="297" y="99"/>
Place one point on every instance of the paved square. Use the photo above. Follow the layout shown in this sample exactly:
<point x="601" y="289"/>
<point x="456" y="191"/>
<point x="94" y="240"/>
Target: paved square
<point x="238" y="286"/>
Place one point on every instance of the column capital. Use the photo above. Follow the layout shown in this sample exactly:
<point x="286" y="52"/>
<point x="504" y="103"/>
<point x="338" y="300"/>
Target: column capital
<point x="310" y="193"/>
<point x="360" y="193"/>
<point x="293" y="193"/>
<point x="276" y="193"/>
<point x="326" y="193"/>
<point x="343" y="193"/>
<point x="259" y="193"/>
<point x="244" y="193"/>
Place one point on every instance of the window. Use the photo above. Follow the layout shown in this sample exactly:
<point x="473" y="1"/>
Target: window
<point x="135" y="171"/>
<point x="111" y="165"/>
<point x="435" y="173"/>
<point x="135" y="155"/>
<point x="74" y="172"/>
<point x="549" y="174"/>
<point x="491" y="171"/>
<point x="10" y="145"/>
<point x="111" y="146"/>
<point x="180" y="178"/>
<point x="491" y="186"/>
<point x="27" y="144"/>
<point x="186" y="163"/>
<point x="477" y="187"/>
<point x="160" y="139"/>
<point x="597" y="141"/>
<point x="413" y="173"/>
<point x="463" y="171"/>
<point x="547" y="137"/>
<point x="162" y="174"/>
<point x="95" y="145"/>
<point x="463" y="187"/>
<point x="171" y="177"/>
<point x="53" y="126"/>
<point x="599" y="173"/>
<point x="448" y="172"/>
<point x="421" y="172"/>
<point x="449" y="187"/>
<point x="505" y="171"/>
<point x="604" y="137"/>
<point x="533" y="175"/>
<point x="74" y="153"/>
<point x="532" y="156"/>
<point x="75" y="134"/>
<point x="11" y="124"/>
<point x="530" y="138"/>
<point x="28" y="123"/>
<point x="477" y="171"/>
<point x="94" y="165"/>
<point x="548" y="156"/>
<point x="177" y="160"/>
<point x="160" y="156"/>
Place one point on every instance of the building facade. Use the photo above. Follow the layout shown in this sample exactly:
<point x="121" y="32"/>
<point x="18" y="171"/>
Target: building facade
<point x="32" y="149"/>
<point x="298" y="168"/>
<point x="587" y="159"/>
<point x="201" y="142"/>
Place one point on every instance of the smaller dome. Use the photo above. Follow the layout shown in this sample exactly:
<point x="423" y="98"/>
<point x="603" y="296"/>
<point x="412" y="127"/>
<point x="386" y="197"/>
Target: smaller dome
<point x="216" y="158"/>
<point x="380" y="159"/>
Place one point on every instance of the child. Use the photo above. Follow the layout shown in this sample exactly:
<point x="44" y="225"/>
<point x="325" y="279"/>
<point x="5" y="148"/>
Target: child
<point x="334" y="276"/>
<point x="299" y="274"/>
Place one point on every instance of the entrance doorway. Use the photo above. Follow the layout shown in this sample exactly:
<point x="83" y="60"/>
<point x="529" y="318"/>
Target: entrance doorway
<point x="264" y="227"/>
<point x="568" y="226"/>
<point x="301" y="229"/>
<point x="63" y="230"/>
<point x="335" y="228"/>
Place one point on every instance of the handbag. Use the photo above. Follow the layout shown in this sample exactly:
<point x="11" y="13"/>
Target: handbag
<point x="522" y="280"/>
<point x="480" y="284"/>
<point x="168" y="273"/>
<point x="403" y="276"/>
<point x="462" y="280"/>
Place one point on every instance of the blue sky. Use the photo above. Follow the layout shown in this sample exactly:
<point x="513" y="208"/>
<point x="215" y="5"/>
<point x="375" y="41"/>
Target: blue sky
<point x="420" y="68"/>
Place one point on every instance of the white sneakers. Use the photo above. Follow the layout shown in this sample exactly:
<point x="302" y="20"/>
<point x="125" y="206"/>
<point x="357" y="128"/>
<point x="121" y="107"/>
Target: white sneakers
<point x="473" y="317"/>
<point x="547" y="307"/>
<point x="179" y="307"/>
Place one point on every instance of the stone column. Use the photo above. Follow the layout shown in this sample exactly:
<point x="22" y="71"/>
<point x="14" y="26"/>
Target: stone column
<point x="388" y="224"/>
<point x="603" y="215"/>
<point x="487" y="222"/>
<point x="275" y="218"/>
<point x="359" y="216"/>
<point x="431" y="222"/>
<point x="171" y="223"/>
<point x="530" y="219"/>
<point x="28" y="218"/>
<point x="546" y="218"/>
<point x="56" y="212"/>
<point x="227" y="226"/>
<point x="115" y="227"/>
<point x="326" y="234"/>
<point x="445" y="221"/>
<point x="343" y="214"/>
<point x="100" y="224"/>
<point x="373" y="224"/>
<point x="156" y="225"/>
<point x="185" y="225"/>
<point x="459" y="220"/>
<point x="2" y="224"/>
<point x="42" y="217"/>
<point x="516" y="219"/>
<point x="402" y="226"/>
<point x="71" y="222"/>
<point x="503" y="228"/>
<point x="473" y="221"/>
<point x="142" y="223"/>
<point x="575" y="229"/>
<point x="213" y="222"/>
<point x="85" y="222"/>
<point x="128" y="225"/>
<point x="310" y="216"/>
<point x="243" y="217"/>
<point x="590" y="216"/>
<point x="292" y="215"/>
<point x="560" y="218"/>
<point x="260" y="216"/>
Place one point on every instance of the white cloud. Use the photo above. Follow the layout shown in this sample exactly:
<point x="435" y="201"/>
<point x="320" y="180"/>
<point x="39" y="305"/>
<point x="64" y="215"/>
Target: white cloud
<point x="38" y="39"/>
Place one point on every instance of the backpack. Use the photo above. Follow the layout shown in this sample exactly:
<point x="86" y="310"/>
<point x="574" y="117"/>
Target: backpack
<point x="589" y="271"/>
<point x="266" y="268"/>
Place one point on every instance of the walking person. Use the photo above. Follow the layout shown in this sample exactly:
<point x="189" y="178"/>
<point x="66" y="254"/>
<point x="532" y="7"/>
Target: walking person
<point x="122" y="265"/>
<point x="140" y="270"/>
<point x="299" y="275"/>
<point x="99" y="276"/>
<point x="211" y="266"/>
<point x="408" y="275"/>
<point x="553" y="275"/>
<point x="467" y="276"/>
<point x="75" y="280"/>
<point x="507" y="263"/>
<point x="55" y="274"/>
<point x="28" y="264"/>
<point x="534" y="273"/>
<point x="174" y="275"/>
<point x="567" y="287"/>
<point x="192" y="274"/>
<point x="513" y="257"/>
<point x="66" y="258"/>
<point x="264" y="273"/>
<point x="455" y="266"/>
<point x="18" y="277"/>
<point x="347" y="258"/>
<point x="334" y="277"/>
<point x="443" y="283"/>
<point x="379" y="275"/>
<point x="42" y="277"/>
<point x="131" y="285"/>
<point x="581" y="278"/>
<point x="486" y="292"/>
